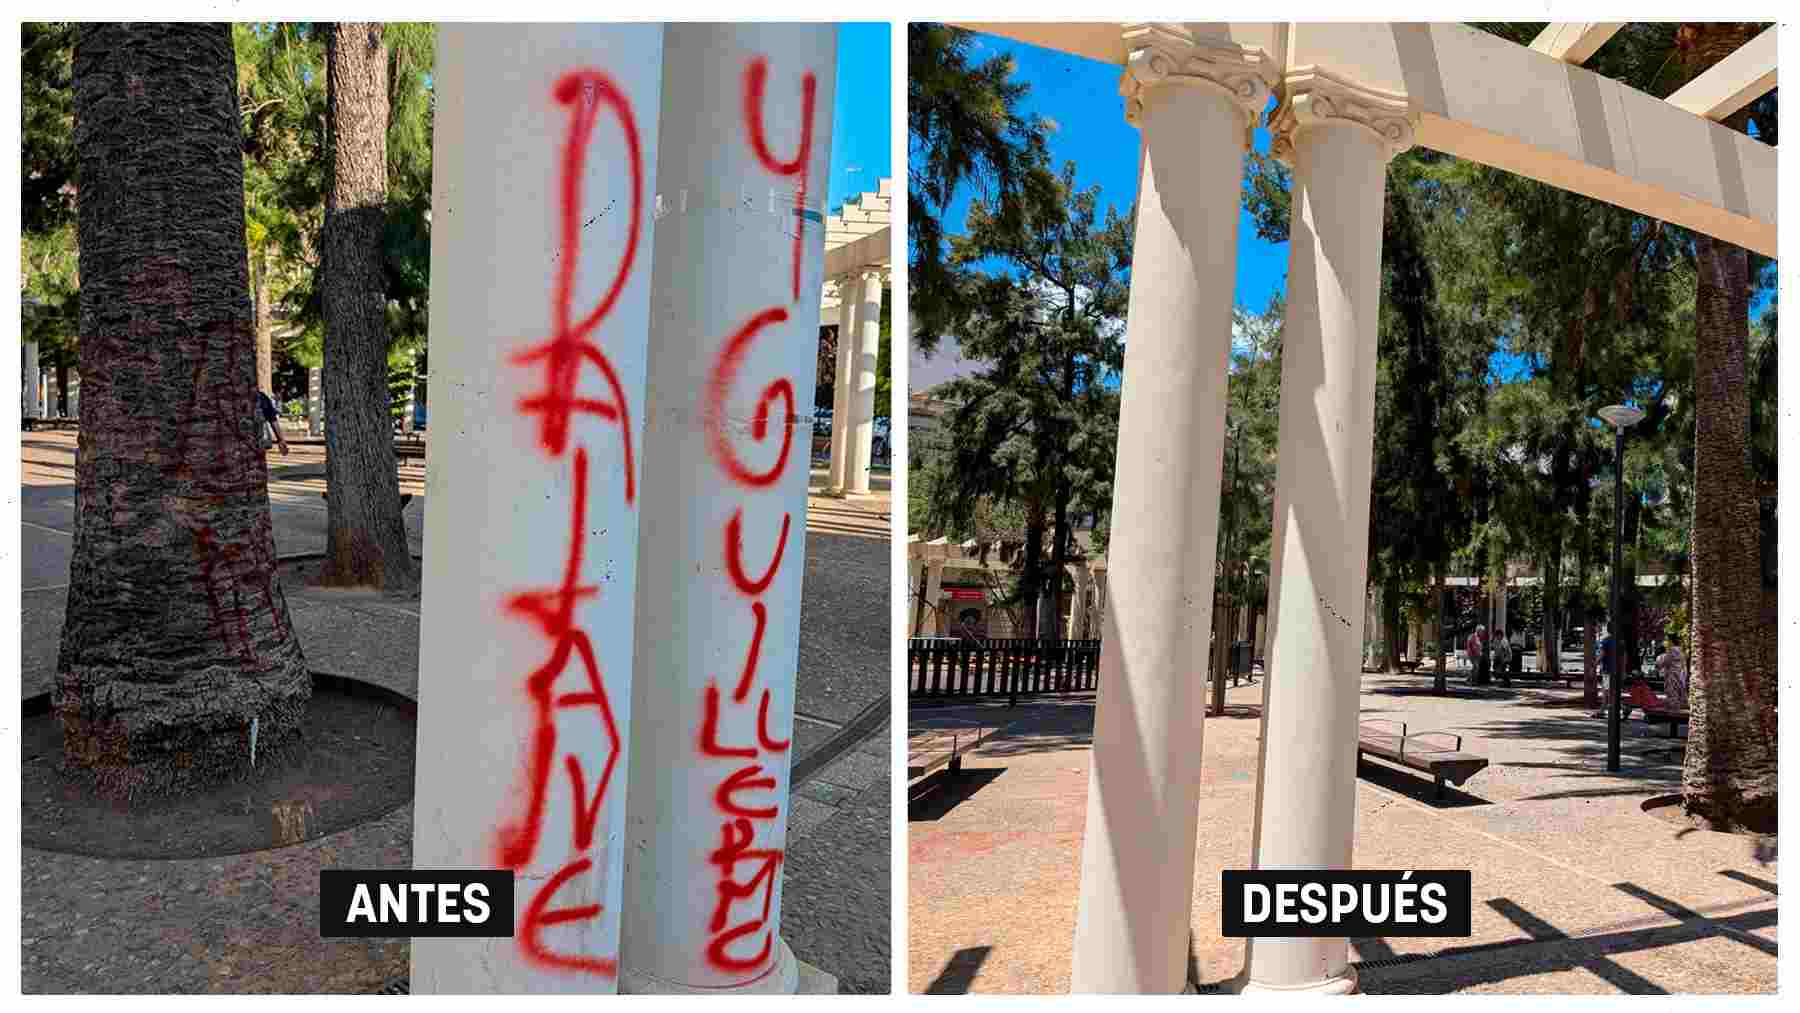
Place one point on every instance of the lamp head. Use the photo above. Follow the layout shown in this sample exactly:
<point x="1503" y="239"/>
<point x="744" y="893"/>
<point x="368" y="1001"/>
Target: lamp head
<point x="1620" y="416"/>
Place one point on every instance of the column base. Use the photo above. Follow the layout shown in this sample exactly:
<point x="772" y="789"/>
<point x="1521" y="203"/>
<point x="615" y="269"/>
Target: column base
<point x="789" y="976"/>
<point x="1346" y="984"/>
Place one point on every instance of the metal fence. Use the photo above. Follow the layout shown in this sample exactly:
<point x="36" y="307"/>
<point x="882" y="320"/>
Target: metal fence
<point x="1000" y="667"/>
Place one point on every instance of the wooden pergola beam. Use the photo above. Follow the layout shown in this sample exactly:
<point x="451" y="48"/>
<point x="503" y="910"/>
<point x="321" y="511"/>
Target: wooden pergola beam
<point x="1574" y="41"/>
<point x="1732" y="83"/>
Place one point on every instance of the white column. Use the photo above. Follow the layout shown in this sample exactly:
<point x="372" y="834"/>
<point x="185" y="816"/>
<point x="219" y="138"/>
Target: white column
<point x="1078" y="612"/>
<point x="412" y="394"/>
<point x="934" y="599"/>
<point x="848" y="307"/>
<point x="733" y="354"/>
<point x="915" y="569"/>
<point x="1338" y="140"/>
<point x="1195" y="107"/>
<point x="28" y="380"/>
<point x="315" y="402"/>
<point x="532" y="510"/>
<point x="867" y="352"/>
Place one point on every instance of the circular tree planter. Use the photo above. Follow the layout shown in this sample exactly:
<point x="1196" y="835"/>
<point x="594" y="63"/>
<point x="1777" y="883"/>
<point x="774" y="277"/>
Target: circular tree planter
<point x="352" y="763"/>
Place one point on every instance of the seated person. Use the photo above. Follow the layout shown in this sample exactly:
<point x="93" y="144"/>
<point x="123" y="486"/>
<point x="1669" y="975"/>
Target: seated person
<point x="1639" y="694"/>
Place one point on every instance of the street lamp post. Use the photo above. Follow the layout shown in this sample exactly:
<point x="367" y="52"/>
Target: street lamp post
<point x="1619" y="417"/>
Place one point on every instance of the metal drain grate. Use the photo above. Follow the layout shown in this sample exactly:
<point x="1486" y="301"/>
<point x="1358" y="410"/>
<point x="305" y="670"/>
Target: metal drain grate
<point x="399" y="986"/>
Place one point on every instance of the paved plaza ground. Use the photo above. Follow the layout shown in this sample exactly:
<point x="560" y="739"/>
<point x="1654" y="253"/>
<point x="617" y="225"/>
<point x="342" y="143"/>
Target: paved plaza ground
<point x="1576" y="889"/>
<point x="249" y="922"/>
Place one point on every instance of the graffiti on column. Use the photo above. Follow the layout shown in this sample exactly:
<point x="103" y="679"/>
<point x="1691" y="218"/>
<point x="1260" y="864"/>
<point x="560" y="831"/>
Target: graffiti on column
<point x="746" y="796"/>
<point x="756" y="78"/>
<point x="519" y="841"/>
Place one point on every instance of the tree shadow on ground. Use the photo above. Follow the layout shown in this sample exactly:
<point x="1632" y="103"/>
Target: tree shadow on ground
<point x="934" y="797"/>
<point x="1646" y="758"/>
<point x="1547" y="949"/>
<point x="1036" y="726"/>
<point x="959" y="971"/>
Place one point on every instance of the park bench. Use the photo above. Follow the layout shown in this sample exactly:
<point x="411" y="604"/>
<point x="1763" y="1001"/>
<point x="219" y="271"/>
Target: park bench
<point x="1656" y="709"/>
<point x="937" y="742"/>
<point x="31" y="423"/>
<point x="1408" y="666"/>
<point x="1436" y="753"/>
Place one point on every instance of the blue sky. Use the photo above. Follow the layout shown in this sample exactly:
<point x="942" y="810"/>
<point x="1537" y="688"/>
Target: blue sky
<point x="861" y="115"/>
<point x="1082" y="96"/>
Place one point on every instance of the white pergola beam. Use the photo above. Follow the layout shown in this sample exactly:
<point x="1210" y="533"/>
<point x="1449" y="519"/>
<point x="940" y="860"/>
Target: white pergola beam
<point x="1732" y="83"/>
<point x="1574" y="41"/>
<point x="1480" y="97"/>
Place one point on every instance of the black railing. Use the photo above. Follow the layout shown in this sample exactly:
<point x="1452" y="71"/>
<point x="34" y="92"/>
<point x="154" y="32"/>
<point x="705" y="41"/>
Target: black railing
<point x="1009" y="667"/>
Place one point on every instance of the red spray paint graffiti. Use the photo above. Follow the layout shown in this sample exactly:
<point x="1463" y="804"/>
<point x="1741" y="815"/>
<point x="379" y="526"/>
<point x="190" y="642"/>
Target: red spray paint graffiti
<point x="748" y="796"/>
<point x="756" y="79"/>
<point x="519" y="841"/>
<point x="586" y="90"/>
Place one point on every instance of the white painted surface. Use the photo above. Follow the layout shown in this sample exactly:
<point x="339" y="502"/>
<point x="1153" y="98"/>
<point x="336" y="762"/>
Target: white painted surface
<point x="1307" y="785"/>
<point x="31" y="395"/>
<point x="716" y="270"/>
<point x="1574" y="41"/>
<point x="841" y="391"/>
<point x="867" y="351"/>
<point x="1137" y="857"/>
<point x="499" y="504"/>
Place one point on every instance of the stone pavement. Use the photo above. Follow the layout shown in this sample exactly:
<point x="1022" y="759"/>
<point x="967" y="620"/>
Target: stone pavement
<point x="249" y="923"/>
<point x="1576" y="889"/>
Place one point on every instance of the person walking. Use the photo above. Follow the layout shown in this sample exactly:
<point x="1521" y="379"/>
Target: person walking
<point x="1476" y="651"/>
<point x="268" y="422"/>
<point x="1607" y="659"/>
<point x="1518" y="653"/>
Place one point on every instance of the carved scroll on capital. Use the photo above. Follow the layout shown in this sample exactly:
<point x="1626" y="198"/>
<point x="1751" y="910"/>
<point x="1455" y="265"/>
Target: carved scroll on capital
<point x="1313" y="97"/>
<point x="1163" y="55"/>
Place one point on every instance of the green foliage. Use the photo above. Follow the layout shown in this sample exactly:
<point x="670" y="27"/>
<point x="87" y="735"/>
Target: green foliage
<point x="1043" y="295"/>
<point x="963" y="127"/>
<point x="47" y="127"/>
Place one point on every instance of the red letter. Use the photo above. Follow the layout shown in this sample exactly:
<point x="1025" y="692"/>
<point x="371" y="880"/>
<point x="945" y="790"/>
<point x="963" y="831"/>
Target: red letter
<point x="744" y="780"/>
<point x="762" y="728"/>
<point x="537" y="919"/>
<point x="724" y="375"/>
<point x="734" y="554"/>
<point x="756" y="78"/>
<point x="709" y="729"/>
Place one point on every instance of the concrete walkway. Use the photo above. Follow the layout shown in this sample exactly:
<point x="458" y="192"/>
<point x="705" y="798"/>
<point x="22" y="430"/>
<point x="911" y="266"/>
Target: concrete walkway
<point x="249" y="923"/>
<point x="1576" y="889"/>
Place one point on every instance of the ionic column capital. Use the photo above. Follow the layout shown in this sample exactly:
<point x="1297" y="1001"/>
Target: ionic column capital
<point x="1164" y="55"/>
<point x="1311" y="96"/>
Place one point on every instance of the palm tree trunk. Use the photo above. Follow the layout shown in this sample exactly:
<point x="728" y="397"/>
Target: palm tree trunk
<point x="365" y="537"/>
<point x="1730" y="773"/>
<point x="265" y="345"/>
<point x="176" y="642"/>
